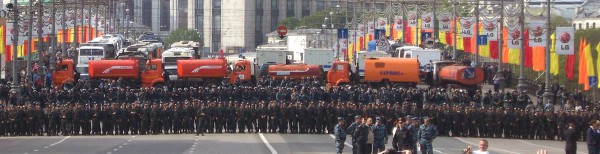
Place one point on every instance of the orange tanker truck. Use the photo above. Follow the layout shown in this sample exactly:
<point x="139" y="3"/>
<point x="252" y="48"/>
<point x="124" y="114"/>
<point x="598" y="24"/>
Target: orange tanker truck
<point x="135" y="72"/>
<point x="244" y="72"/>
<point x="405" y="71"/>
<point x="377" y="72"/>
<point x="450" y="73"/>
<point x="147" y="75"/>
<point x="200" y="72"/>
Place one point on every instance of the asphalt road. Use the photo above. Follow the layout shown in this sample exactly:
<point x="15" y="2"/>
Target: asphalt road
<point x="242" y="143"/>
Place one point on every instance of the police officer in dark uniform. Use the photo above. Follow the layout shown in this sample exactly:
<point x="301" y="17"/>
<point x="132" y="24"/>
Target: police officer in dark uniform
<point x="200" y="117"/>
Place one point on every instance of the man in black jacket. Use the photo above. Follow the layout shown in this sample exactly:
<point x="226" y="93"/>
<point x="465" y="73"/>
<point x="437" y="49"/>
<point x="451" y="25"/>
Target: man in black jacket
<point x="571" y="137"/>
<point x="361" y="135"/>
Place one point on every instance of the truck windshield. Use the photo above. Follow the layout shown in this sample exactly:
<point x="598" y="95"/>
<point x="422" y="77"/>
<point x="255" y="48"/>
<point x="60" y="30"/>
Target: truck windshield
<point x="174" y="59"/>
<point x="82" y="70"/>
<point x="91" y="52"/>
<point x="172" y="71"/>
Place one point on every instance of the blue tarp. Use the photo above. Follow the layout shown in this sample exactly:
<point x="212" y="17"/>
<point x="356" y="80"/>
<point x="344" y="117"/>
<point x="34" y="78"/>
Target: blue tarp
<point x="372" y="46"/>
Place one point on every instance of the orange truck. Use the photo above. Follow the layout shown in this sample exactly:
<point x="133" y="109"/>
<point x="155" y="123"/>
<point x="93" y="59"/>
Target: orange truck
<point x="147" y="75"/>
<point x="377" y="72"/>
<point x="200" y="72"/>
<point x="64" y="75"/>
<point x="404" y="71"/>
<point x="450" y="73"/>
<point x="244" y="71"/>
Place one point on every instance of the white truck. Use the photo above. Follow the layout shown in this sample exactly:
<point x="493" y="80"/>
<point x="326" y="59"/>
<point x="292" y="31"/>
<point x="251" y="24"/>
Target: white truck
<point x="360" y="60"/>
<point x="319" y="56"/>
<point x="425" y="56"/>
<point x="400" y="50"/>
<point x="171" y="56"/>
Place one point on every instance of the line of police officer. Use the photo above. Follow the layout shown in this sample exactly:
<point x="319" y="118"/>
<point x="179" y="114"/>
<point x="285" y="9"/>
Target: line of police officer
<point x="110" y="109"/>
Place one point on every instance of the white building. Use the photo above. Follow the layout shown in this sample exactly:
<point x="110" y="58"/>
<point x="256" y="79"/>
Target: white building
<point x="588" y="15"/>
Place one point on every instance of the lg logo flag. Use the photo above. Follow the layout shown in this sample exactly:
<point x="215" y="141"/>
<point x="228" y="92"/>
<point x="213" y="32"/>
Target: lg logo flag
<point x="564" y="40"/>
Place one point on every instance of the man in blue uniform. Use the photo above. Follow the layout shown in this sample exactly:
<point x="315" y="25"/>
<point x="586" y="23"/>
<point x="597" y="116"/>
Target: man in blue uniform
<point x="380" y="135"/>
<point x="427" y="133"/>
<point x="340" y="135"/>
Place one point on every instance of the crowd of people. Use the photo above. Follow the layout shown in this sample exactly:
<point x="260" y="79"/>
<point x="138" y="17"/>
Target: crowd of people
<point x="281" y="107"/>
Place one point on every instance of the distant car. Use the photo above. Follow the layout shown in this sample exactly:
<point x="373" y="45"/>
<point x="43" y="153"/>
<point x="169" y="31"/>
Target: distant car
<point x="150" y="38"/>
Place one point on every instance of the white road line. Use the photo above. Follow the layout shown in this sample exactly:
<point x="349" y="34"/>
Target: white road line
<point x="262" y="137"/>
<point x="438" y="151"/>
<point x="347" y="144"/>
<point x="109" y="153"/>
<point x="36" y="150"/>
<point x="543" y="146"/>
<point x="489" y="148"/>
<point x="53" y="144"/>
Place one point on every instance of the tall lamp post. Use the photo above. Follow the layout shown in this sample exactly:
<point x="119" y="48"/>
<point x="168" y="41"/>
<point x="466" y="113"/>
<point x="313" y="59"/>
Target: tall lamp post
<point x="15" y="39"/>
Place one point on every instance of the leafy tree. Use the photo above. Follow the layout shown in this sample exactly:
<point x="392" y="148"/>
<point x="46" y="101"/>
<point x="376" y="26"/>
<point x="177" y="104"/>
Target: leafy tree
<point x="183" y="35"/>
<point x="290" y="23"/>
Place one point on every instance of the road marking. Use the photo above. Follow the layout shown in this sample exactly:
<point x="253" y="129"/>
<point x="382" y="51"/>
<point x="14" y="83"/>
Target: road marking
<point x="124" y="143"/>
<point x="109" y="153"/>
<point x="46" y="147"/>
<point x="346" y="143"/>
<point x="438" y="151"/>
<point x="262" y="137"/>
<point x="489" y="148"/>
<point x="36" y="150"/>
<point x="191" y="151"/>
<point x="120" y="146"/>
<point x="543" y="146"/>
<point x="115" y="149"/>
<point x="53" y="144"/>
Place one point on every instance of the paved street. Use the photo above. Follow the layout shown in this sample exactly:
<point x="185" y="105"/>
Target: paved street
<point x="241" y="143"/>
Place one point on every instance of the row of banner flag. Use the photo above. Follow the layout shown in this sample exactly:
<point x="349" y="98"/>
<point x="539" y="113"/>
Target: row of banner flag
<point x="77" y="29"/>
<point x="534" y="37"/>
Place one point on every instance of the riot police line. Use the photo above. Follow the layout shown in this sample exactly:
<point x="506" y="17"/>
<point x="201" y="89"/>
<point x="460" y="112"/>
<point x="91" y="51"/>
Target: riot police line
<point x="277" y="107"/>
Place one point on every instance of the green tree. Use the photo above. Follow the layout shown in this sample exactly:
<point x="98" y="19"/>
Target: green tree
<point x="558" y="21"/>
<point x="290" y="23"/>
<point x="184" y="35"/>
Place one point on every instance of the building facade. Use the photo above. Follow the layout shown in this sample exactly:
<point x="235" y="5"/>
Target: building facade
<point x="232" y="25"/>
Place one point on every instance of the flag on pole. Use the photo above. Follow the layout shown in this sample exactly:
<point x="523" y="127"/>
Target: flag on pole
<point x="582" y="63"/>
<point x="554" y="59"/>
<point x="591" y="73"/>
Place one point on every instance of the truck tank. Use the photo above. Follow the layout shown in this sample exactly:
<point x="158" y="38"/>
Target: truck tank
<point x="396" y="70"/>
<point x="295" y="71"/>
<point x="464" y="75"/>
<point x="113" y="69"/>
<point x="203" y="68"/>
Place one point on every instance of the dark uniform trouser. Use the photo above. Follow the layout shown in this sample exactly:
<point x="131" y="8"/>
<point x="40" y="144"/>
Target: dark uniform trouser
<point x="262" y="124"/>
<point x="144" y="127"/>
<point x="200" y="126"/>
<point x="339" y="146"/>
<point x="95" y="126"/>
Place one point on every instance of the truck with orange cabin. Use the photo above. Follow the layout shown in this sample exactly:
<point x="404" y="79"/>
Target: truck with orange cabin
<point x="136" y="72"/>
<point x="380" y="71"/>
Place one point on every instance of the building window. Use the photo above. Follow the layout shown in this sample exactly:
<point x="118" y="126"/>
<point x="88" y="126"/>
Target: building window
<point x="199" y="15"/>
<point x="305" y="8"/>
<point x="290" y="8"/>
<point x="259" y="4"/>
<point x="165" y="16"/>
<point x="275" y="8"/>
<point x="574" y="25"/>
<point x="147" y="13"/>
<point x="579" y="25"/>
<point x="350" y="6"/>
<point x="593" y="25"/>
<point x="379" y="6"/>
<point x="320" y="5"/>
<point x="274" y="21"/>
<point x="217" y="4"/>
<point x="587" y="25"/>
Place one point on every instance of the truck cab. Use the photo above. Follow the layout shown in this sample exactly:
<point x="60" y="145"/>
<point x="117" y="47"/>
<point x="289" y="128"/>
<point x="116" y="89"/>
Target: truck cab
<point x="243" y="70"/>
<point x="152" y="74"/>
<point x="64" y="73"/>
<point x="338" y="74"/>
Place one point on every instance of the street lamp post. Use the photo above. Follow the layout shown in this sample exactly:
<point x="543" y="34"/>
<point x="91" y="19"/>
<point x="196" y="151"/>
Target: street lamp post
<point x="15" y="39"/>
<point x="127" y="22"/>
<point x="40" y="47"/>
